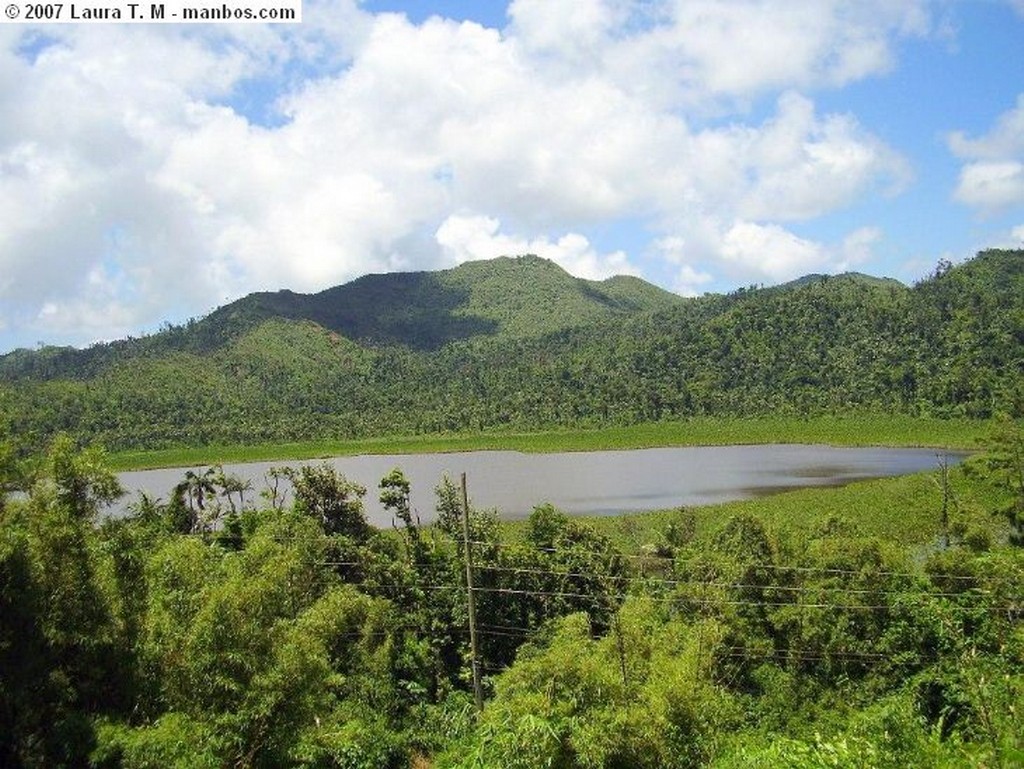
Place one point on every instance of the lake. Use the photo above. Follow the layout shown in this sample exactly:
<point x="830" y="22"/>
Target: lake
<point x="591" y="483"/>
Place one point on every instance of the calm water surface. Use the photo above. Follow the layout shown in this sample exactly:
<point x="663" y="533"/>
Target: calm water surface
<point x="592" y="483"/>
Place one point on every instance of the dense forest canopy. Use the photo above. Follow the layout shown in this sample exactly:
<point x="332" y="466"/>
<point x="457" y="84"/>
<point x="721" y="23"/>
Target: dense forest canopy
<point x="516" y="343"/>
<point x="877" y="626"/>
<point x="199" y="632"/>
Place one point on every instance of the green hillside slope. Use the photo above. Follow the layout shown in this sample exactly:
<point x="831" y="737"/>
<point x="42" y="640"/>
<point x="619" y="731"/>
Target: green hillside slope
<point x="519" y="344"/>
<point x="509" y="296"/>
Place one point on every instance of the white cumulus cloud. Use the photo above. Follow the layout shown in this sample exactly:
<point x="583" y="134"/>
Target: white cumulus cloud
<point x="796" y="165"/>
<point x="470" y="237"/>
<point x="705" y="52"/>
<point x="689" y="280"/>
<point x="771" y="251"/>
<point x="148" y="172"/>
<point x="992" y="177"/>
<point x="991" y="185"/>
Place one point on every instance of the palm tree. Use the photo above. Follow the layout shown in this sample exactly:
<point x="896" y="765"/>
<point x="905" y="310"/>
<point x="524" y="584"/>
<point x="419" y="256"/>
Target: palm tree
<point x="232" y="484"/>
<point x="194" y="490"/>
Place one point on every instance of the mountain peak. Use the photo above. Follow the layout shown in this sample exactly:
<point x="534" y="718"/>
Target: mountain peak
<point x="857" y="278"/>
<point x="512" y="296"/>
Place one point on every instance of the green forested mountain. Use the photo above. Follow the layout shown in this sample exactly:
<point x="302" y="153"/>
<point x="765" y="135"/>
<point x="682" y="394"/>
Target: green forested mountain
<point x="522" y="296"/>
<point x="877" y="626"/>
<point x="509" y="297"/>
<point x="518" y="343"/>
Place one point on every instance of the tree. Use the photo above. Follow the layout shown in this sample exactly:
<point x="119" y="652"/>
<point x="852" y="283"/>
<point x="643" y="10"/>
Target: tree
<point x="565" y="702"/>
<point x="24" y="655"/>
<point x="10" y="475"/>
<point x="394" y="495"/>
<point x="81" y="479"/>
<point x="61" y="644"/>
<point x="327" y="496"/>
<point x="1006" y="459"/>
<point x="230" y="484"/>
<point x="192" y="492"/>
<point x="448" y="507"/>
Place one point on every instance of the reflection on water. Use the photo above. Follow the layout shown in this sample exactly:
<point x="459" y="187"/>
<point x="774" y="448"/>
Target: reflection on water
<point x="820" y="471"/>
<point x="594" y="483"/>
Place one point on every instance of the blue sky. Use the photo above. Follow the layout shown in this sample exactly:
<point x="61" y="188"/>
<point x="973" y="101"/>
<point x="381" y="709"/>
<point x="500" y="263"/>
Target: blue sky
<point x="151" y="173"/>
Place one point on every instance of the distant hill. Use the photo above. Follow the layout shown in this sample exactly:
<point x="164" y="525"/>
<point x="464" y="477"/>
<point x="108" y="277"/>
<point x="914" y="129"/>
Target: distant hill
<point x="845" y="277"/>
<point x="517" y="343"/>
<point x="509" y="296"/>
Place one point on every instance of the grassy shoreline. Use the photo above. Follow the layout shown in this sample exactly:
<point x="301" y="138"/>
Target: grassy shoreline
<point x="903" y="510"/>
<point x="860" y="430"/>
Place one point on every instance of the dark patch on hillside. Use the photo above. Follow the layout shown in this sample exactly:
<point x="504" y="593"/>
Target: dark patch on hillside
<point x="421" y="311"/>
<point x="414" y="309"/>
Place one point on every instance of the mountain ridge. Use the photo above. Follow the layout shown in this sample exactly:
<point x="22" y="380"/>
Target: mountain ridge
<point x="517" y="296"/>
<point x="518" y="344"/>
<point x="471" y="299"/>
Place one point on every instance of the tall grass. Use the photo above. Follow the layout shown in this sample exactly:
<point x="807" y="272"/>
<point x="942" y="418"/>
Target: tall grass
<point x="858" y="430"/>
<point x="904" y="511"/>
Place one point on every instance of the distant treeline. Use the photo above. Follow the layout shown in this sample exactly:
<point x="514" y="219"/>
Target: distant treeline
<point x="519" y="345"/>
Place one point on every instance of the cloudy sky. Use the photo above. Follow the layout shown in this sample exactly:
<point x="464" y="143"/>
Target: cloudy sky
<point x="150" y="173"/>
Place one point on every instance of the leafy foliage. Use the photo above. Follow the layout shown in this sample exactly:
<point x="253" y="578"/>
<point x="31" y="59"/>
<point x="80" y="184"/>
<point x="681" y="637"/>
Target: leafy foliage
<point x="517" y="344"/>
<point x="300" y="636"/>
<point x="831" y="629"/>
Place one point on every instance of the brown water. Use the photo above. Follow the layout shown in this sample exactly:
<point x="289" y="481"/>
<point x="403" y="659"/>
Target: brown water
<point x="593" y="483"/>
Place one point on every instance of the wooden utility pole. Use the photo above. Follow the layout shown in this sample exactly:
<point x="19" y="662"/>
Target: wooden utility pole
<point x="944" y="483"/>
<point x="622" y="651"/>
<point x="477" y="691"/>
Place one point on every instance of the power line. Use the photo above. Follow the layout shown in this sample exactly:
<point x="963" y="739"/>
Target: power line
<point x="713" y="602"/>
<point x="214" y="537"/>
<point x="672" y="560"/>
<point x="630" y="581"/>
<point x="694" y="581"/>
